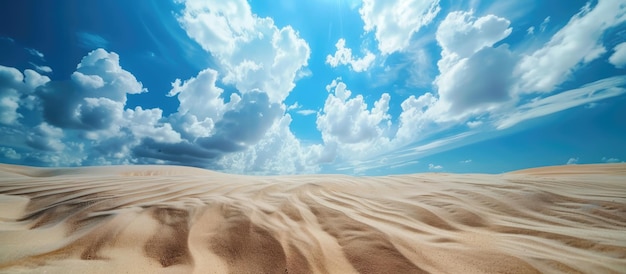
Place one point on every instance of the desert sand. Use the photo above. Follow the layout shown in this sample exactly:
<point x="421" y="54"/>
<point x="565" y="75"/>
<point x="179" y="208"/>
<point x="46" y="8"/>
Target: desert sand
<point x="167" y="219"/>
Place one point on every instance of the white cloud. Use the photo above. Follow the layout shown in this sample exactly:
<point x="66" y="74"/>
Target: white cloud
<point x="343" y="56"/>
<point x="596" y="91"/>
<point x="253" y="53"/>
<point x="146" y="124"/>
<point x="348" y="120"/>
<point x="91" y="41"/>
<point x="461" y="34"/>
<point x="474" y="124"/>
<point x="306" y="112"/>
<point x="41" y="69"/>
<point x="618" y="58"/>
<point x="577" y="43"/>
<point x="474" y="76"/>
<point x="434" y="167"/>
<point x="413" y="120"/>
<point x="200" y="97"/>
<point x="572" y="161"/>
<point x="45" y="137"/>
<point x="395" y="21"/>
<point x="530" y="30"/>
<point x="13" y="85"/>
<point x="295" y="105"/>
<point x="9" y="102"/>
<point x="610" y="160"/>
<point x="10" y="153"/>
<point x="94" y="99"/>
<point x="466" y="161"/>
<point x="278" y="152"/>
<point x="35" y="53"/>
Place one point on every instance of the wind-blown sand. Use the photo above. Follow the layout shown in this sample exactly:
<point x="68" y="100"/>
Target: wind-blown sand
<point x="155" y="219"/>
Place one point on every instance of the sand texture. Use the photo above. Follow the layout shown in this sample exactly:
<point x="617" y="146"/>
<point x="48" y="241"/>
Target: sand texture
<point x="166" y="219"/>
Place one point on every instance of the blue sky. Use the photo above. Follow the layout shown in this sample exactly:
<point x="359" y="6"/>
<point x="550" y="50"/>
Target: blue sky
<point x="369" y="87"/>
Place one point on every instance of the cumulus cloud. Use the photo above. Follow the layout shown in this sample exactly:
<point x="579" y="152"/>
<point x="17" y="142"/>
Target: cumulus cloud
<point x="343" y="56"/>
<point x="13" y="86"/>
<point x="413" y="120"/>
<point x="45" y="137"/>
<point x="350" y="129"/>
<point x="95" y="96"/>
<point x="146" y="123"/>
<point x="394" y="22"/>
<point x="349" y="120"/>
<point x="572" y="161"/>
<point x="200" y="102"/>
<point x="474" y="76"/>
<point x="461" y="34"/>
<point x="578" y="43"/>
<point x="253" y="53"/>
<point x="244" y="125"/>
<point x="618" y="58"/>
<point x="10" y="153"/>
<point x="278" y="152"/>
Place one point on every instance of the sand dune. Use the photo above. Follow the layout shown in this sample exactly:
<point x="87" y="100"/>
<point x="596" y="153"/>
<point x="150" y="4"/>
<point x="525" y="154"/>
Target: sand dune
<point x="164" y="219"/>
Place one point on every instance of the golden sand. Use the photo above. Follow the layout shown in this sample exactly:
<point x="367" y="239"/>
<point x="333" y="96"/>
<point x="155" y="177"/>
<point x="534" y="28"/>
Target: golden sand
<point x="166" y="219"/>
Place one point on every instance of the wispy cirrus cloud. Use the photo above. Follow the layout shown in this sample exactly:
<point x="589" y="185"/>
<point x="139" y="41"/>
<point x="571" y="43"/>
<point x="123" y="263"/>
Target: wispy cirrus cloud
<point x="91" y="41"/>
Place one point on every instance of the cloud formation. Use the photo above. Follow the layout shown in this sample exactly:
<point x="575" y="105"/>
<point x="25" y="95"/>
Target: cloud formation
<point x="343" y="56"/>
<point x="395" y="21"/>
<point x="253" y="53"/>
<point x="577" y="43"/>
<point x="618" y="58"/>
<point x="474" y="75"/>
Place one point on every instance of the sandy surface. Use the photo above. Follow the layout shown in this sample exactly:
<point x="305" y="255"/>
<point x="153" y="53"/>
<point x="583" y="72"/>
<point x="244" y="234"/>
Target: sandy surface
<point x="164" y="219"/>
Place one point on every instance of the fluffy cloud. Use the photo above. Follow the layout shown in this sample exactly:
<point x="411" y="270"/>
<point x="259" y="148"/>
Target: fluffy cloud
<point x="461" y="34"/>
<point x="578" y="43"/>
<point x="348" y="120"/>
<point x="252" y="51"/>
<point x="10" y="153"/>
<point x="278" y="152"/>
<point x="395" y="21"/>
<point x="200" y="103"/>
<point x="244" y="125"/>
<point x="474" y="75"/>
<point x="95" y="96"/>
<point x="618" y="58"/>
<point x="343" y="56"/>
<point x="413" y="119"/>
<point x="13" y="86"/>
<point x="146" y="123"/>
<point x="572" y="161"/>
<point x="45" y="137"/>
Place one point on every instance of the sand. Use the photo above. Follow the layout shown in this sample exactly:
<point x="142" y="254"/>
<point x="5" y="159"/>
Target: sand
<point x="166" y="219"/>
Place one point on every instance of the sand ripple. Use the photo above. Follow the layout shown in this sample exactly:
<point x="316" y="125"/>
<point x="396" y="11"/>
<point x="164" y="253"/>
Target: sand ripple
<point x="155" y="219"/>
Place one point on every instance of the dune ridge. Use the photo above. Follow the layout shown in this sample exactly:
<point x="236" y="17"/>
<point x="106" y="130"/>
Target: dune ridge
<point x="167" y="219"/>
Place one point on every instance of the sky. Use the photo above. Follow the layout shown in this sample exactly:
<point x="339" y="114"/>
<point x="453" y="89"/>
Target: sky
<point x="360" y="87"/>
